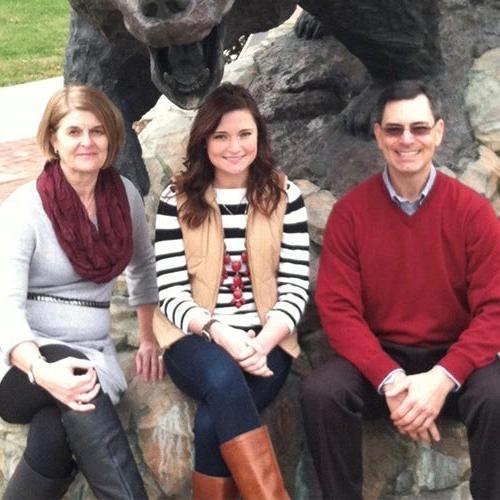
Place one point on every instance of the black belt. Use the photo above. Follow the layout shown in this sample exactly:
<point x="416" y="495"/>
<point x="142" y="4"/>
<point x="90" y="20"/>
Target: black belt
<point x="42" y="297"/>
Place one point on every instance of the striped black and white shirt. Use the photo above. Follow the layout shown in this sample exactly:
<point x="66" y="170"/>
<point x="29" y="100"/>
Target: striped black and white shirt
<point x="176" y="300"/>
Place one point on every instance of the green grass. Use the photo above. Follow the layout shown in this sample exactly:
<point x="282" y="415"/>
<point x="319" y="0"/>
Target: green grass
<point x="33" y="35"/>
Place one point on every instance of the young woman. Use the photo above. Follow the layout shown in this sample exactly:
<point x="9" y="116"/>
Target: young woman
<point x="65" y="237"/>
<point x="232" y="251"/>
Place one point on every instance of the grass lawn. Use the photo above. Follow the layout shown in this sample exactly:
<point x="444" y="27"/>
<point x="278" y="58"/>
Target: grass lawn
<point x="33" y="36"/>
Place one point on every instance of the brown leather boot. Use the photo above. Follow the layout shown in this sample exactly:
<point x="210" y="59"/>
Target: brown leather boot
<point x="251" y="459"/>
<point x="213" y="488"/>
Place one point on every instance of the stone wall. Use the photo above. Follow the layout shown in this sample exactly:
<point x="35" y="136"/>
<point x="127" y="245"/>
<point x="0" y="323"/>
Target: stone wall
<point x="158" y="419"/>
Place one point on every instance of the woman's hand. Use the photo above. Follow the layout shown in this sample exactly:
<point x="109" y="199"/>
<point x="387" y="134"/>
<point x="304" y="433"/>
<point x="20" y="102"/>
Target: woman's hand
<point x="272" y="333"/>
<point x="71" y="381"/>
<point x="256" y="364"/>
<point x="149" y="360"/>
<point x="237" y="343"/>
<point x="149" y="357"/>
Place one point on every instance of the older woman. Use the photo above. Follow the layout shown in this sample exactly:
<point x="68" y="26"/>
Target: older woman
<point x="232" y="260"/>
<point x="65" y="238"/>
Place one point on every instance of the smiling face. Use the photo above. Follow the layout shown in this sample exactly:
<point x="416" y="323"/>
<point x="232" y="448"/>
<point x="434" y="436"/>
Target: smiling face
<point x="232" y="148"/>
<point x="409" y="155"/>
<point x="81" y="143"/>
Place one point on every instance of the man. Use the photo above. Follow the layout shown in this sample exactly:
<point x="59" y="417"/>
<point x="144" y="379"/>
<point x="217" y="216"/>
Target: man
<point x="408" y="293"/>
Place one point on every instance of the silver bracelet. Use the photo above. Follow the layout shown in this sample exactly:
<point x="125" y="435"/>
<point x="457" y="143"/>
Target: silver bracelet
<point x="29" y="373"/>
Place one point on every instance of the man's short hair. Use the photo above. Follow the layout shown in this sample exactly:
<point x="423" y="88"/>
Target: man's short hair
<point x="402" y="90"/>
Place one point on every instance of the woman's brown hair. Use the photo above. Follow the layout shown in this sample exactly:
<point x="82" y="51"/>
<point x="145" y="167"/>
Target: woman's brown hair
<point x="83" y="98"/>
<point x="263" y="189"/>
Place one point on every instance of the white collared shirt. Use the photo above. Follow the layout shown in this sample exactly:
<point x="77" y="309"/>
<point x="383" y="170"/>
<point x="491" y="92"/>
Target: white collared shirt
<point x="409" y="207"/>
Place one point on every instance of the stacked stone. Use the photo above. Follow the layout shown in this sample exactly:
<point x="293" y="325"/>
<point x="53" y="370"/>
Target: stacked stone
<point x="482" y="101"/>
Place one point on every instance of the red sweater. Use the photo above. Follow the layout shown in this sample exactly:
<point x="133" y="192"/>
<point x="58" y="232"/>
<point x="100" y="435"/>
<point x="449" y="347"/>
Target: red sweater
<point x="431" y="279"/>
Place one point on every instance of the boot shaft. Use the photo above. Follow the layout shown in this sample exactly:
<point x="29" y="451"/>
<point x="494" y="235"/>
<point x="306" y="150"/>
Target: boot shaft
<point x="251" y="459"/>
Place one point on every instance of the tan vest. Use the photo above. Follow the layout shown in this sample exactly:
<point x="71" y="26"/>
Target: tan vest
<point x="204" y="250"/>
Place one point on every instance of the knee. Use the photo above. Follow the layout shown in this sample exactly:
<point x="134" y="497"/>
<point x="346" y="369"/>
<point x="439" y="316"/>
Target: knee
<point x="479" y="399"/>
<point x="482" y="391"/>
<point x="226" y="380"/>
<point x="46" y="430"/>
<point x="488" y="403"/>
<point x="323" y="389"/>
<point x="56" y="352"/>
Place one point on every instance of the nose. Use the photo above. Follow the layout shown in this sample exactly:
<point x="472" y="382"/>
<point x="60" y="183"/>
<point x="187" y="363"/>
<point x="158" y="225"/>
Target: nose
<point x="85" y="139"/>
<point x="234" y="145"/>
<point x="162" y="9"/>
<point x="407" y="136"/>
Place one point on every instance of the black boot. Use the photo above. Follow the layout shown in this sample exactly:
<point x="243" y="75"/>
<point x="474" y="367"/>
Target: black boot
<point x="102" y="452"/>
<point x="26" y="484"/>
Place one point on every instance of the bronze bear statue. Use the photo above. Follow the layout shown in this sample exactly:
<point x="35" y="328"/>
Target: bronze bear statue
<point x="136" y="50"/>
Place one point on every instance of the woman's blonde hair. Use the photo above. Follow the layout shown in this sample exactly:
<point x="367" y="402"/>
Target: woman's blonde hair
<point x="83" y="98"/>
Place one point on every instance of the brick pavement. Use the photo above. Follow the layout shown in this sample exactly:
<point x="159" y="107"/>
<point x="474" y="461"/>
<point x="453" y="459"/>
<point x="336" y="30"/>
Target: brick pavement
<point x="20" y="161"/>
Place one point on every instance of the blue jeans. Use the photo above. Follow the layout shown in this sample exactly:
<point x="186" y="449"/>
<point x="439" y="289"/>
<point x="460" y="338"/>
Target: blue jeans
<point x="230" y="400"/>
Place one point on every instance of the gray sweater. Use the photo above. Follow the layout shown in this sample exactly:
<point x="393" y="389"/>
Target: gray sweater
<point x="32" y="260"/>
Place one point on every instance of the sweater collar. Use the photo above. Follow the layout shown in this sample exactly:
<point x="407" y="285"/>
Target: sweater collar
<point x="409" y="207"/>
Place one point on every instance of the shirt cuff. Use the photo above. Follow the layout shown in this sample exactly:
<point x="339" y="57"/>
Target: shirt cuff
<point x="146" y="297"/>
<point x="389" y="378"/>
<point x="453" y="379"/>
<point x="195" y="311"/>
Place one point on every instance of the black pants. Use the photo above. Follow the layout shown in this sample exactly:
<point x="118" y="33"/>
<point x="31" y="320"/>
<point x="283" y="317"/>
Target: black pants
<point x="336" y="398"/>
<point x="47" y="449"/>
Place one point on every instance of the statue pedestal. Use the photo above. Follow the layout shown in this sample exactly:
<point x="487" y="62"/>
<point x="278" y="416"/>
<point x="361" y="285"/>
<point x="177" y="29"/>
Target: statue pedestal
<point x="158" y="419"/>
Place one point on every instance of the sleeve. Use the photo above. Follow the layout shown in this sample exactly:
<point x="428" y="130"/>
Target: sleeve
<point x="340" y="303"/>
<point x="176" y="300"/>
<point x="140" y="272"/>
<point x="478" y="345"/>
<point x="293" y="271"/>
<point x="16" y="251"/>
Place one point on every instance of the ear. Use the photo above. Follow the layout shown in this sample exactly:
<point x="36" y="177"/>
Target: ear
<point x="53" y="141"/>
<point x="438" y="132"/>
<point x="377" y="132"/>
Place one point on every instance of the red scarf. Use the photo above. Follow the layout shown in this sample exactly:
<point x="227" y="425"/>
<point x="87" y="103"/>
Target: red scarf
<point x="100" y="254"/>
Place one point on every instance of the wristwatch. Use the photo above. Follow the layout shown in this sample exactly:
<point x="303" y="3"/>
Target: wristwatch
<point x="205" y="331"/>
<point x="29" y="373"/>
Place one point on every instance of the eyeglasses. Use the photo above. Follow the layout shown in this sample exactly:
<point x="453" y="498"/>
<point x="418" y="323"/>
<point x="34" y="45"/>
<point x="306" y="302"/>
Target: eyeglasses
<point x="416" y="129"/>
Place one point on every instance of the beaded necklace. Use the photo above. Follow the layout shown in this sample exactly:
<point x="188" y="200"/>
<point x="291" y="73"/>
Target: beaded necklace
<point x="240" y="269"/>
<point x="238" y="266"/>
